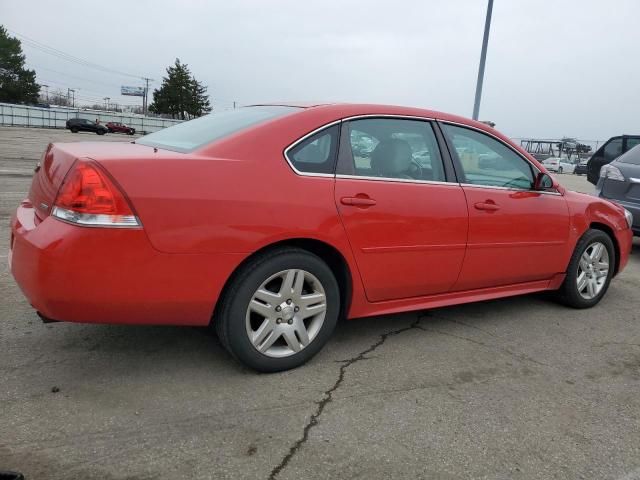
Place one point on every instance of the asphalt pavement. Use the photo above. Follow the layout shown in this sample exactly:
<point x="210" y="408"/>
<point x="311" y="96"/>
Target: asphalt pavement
<point x="520" y="388"/>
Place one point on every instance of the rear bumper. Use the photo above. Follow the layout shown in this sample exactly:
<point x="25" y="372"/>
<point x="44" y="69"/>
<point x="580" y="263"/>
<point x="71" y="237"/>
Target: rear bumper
<point x="111" y="275"/>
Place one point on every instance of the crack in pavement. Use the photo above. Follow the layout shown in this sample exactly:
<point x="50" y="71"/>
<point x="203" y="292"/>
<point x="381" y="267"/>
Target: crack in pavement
<point x="328" y="396"/>
<point x="464" y="324"/>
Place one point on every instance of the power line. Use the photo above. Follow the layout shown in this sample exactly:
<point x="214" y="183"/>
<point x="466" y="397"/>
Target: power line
<point x="68" y="57"/>
<point x="36" y="67"/>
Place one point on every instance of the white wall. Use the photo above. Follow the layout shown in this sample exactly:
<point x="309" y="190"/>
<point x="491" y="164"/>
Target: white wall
<point x="56" y="117"/>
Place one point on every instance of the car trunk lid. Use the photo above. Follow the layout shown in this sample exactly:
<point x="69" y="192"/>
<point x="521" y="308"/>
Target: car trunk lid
<point x="58" y="159"/>
<point x="48" y="177"/>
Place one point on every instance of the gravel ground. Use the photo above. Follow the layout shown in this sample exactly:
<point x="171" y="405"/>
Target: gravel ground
<point x="520" y="388"/>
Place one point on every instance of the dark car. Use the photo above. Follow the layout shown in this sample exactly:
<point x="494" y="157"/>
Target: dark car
<point x="620" y="181"/>
<point x="117" y="127"/>
<point x="581" y="167"/>
<point x="612" y="149"/>
<point x="83" y="125"/>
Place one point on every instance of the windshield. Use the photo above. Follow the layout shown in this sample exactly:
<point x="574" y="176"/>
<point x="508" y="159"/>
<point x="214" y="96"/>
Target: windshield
<point x="632" y="156"/>
<point x="188" y="136"/>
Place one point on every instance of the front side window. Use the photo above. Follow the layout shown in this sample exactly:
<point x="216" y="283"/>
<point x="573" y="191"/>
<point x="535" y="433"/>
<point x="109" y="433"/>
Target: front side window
<point x="632" y="142"/>
<point x="487" y="161"/>
<point x="393" y="148"/>
<point x="613" y="149"/>
<point x="317" y="153"/>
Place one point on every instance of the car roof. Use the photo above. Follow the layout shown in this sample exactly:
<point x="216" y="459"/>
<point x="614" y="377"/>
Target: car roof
<point x="313" y="115"/>
<point x="346" y="110"/>
<point x="296" y="104"/>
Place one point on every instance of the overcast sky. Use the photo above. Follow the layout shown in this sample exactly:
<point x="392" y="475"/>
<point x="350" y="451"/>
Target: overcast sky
<point x="554" y="68"/>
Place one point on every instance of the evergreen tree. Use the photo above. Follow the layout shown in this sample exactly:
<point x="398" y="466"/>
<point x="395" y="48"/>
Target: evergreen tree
<point x="180" y="94"/>
<point x="17" y="84"/>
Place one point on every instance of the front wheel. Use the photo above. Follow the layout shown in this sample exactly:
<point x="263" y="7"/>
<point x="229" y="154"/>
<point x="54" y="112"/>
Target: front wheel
<point x="560" y="170"/>
<point x="590" y="270"/>
<point x="279" y="310"/>
<point x="100" y="132"/>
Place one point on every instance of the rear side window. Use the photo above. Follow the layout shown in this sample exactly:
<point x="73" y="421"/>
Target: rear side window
<point x="188" y="136"/>
<point x="317" y="153"/>
<point x="393" y="148"/>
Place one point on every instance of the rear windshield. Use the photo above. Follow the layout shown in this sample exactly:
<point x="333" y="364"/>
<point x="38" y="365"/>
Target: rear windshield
<point x="632" y="156"/>
<point x="188" y="136"/>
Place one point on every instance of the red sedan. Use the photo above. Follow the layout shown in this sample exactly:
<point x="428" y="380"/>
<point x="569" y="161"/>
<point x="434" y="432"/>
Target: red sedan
<point x="117" y="127"/>
<point x="271" y="222"/>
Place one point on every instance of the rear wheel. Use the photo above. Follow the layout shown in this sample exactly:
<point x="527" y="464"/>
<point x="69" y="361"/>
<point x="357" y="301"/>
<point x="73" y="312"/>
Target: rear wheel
<point x="74" y="130"/>
<point x="559" y="169"/>
<point x="279" y="310"/>
<point x="590" y="270"/>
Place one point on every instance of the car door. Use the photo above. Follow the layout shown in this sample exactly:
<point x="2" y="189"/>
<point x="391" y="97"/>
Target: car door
<point x="404" y="214"/>
<point x="516" y="234"/>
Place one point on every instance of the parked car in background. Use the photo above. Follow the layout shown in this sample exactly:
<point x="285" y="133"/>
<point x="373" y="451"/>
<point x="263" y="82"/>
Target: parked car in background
<point x="117" y="127"/>
<point x="317" y="231"/>
<point x="581" y="167"/>
<point x="83" y="125"/>
<point x="620" y="181"/>
<point x="608" y="152"/>
<point x="559" y="165"/>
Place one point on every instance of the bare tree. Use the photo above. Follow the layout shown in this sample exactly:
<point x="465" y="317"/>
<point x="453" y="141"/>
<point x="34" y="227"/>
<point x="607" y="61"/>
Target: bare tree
<point x="58" y="98"/>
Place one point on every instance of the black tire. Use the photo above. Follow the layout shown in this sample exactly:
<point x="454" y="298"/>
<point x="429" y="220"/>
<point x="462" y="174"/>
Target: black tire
<point x="559" y="169"/>
<point x="100" y="132"/>
<point x="74" y="130"/>
<point x="568" y="292"/>
<point x="229" y="320"/>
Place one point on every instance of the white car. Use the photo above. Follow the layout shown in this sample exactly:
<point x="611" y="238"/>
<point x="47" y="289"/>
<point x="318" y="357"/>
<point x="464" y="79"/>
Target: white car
<point x="559" y="165"/>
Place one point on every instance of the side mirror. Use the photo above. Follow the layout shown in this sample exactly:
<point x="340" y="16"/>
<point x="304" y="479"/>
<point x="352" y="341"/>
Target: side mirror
<point x="543" y="182"/>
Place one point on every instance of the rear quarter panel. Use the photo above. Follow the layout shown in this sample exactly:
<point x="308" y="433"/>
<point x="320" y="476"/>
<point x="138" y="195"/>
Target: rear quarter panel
<point x="233" y="196"/>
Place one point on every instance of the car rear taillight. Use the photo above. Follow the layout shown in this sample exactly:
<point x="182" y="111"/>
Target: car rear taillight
<point x="89" y="197"/>
<point x="612" y="173"/>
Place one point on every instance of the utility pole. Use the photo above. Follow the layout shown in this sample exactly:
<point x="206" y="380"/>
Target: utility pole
<point x="234" y="104"/>
<point x="145" y="99"/>
<point x="483" y="58"/>
<point x="106" y="102"/>
<point x="46" y="90"/>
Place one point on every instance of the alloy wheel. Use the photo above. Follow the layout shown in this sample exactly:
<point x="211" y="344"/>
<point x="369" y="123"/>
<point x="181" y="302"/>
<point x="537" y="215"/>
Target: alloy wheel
<point x="286" y="313"/>
<point x="593" y="270"/>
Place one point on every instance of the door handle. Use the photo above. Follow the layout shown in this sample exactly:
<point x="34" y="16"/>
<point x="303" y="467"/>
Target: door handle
<point x="358" y="201"/>
<point x="489" y="206"/>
